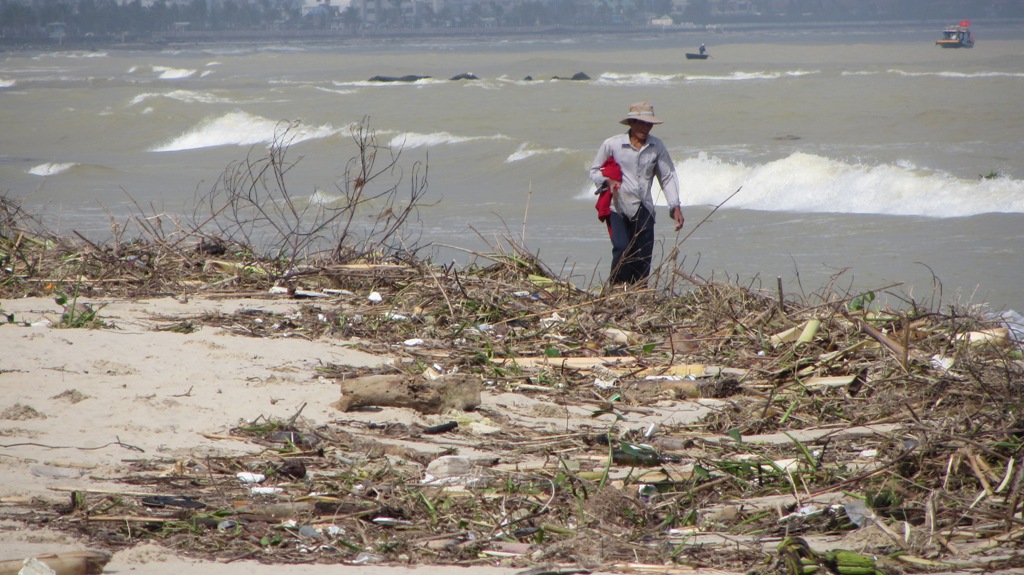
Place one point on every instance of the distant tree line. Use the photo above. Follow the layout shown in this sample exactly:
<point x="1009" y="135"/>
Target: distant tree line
<point x="110" y="18"/>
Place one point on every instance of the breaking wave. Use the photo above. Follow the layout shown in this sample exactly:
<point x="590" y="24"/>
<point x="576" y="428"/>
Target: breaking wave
<point x="165" y="72"/>
<point x="412" y="140"/>
<point x="528" y="150"/>
<point x="805" y="182"/>
<point x="187" y="96"/>
<point x="748" y="76"/>
<point x="950" y="74"/>
<point x="52" y="168"/>
<point x="240" y="129"/>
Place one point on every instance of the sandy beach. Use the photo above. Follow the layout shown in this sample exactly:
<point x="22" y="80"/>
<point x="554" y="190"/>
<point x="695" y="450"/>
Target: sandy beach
<point x="78" y="405"/>
<point x="392" y="418"/>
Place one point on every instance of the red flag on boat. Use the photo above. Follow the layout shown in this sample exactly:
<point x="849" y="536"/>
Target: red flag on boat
<point x="965" y="23"/>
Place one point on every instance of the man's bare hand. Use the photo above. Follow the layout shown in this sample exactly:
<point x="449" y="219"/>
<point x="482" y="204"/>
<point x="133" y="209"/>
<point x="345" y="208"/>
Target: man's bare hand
<point x="677" y="215"/>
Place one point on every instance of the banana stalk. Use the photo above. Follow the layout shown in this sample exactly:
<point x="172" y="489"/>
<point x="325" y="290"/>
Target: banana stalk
<point x="846" y="562"/>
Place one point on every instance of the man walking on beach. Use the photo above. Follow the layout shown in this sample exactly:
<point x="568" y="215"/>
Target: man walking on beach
<point x="641" y="158"/>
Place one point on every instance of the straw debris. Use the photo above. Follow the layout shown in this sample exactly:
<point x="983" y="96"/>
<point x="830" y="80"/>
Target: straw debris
<point x="894" y="432"/>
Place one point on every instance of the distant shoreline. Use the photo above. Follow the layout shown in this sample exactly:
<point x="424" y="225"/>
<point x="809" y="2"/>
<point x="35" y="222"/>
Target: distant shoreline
<point x="159" y="40"/>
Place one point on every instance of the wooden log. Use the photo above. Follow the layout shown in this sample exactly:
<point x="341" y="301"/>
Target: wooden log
<point x="568" y="362"/>
<point x="86" y="562"/>
<point x="680" y="369"/>
<point x="830" y="381"/>
<point x="456" y="391"/>
<point x="680" y="389"/>
<point x="898" y="350"/>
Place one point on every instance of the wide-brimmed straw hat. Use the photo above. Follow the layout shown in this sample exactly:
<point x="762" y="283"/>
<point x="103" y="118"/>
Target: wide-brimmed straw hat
<point x="642" y="111"/>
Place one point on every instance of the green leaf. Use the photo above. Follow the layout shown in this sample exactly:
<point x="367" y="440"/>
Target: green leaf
<point x="861" y="302"/>
<point x="551" y="351"/>
<point x="600" y="412"/>
<point x="735" y="434"/>
<point x="808" y="456"/>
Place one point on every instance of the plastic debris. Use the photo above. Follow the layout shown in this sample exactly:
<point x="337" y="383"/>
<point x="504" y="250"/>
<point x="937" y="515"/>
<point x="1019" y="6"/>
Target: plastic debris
<point x="267" y="490"/>
<point x="443" y="428"/>
<point x="552" y="319"/>
<point x="450" y="466"/>
<point x="250" y="477"/>
<point x="857" y="512"/>
<point x="367" y="558"/>
<point x="391" y="521"/>
<point x="33" y="566"/>
<point x="941" y="362"/>
<point x="1014" y="322"/>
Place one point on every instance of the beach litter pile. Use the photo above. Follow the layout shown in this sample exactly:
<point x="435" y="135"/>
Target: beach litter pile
<point x="689" y="424"/>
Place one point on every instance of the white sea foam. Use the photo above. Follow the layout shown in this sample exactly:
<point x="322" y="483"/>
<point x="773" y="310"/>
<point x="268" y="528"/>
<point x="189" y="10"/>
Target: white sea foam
<point x="72" y="55"/>
<point x="748" y="76"/>
<point x="498" y="84"/>
<point x="5" y="83"/>
<point x="187" y="96"/>
<point x="240" y="129"/>
<point x="52" y="169"/>
<point x="322" y="198"/>
<point x="163" y="72"/>
<point x="339" y="92"/>
<point x="640" y="79"/>
<point x="527" y="150"/>
<point x="410" y="140"/>
<point x="805" y="182"/>
<point x="951" y="74"/>
<point x="167" y="73"/>
<point x="417" y="83"/>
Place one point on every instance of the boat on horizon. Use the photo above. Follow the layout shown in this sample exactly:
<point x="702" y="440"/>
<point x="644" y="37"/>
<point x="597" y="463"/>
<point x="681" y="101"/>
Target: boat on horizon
<point x="958" y="36"/>
<point x="701" y="54"/>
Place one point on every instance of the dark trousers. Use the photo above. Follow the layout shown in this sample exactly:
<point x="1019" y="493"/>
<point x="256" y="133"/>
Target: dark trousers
<point x="632" y="246"/>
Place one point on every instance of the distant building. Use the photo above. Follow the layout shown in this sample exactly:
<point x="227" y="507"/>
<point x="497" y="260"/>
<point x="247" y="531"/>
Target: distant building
<point x="56" y="31"/>
<point x="320" y="15"/>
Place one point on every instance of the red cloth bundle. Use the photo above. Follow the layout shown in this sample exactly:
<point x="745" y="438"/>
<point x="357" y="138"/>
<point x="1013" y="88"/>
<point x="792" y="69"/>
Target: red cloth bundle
<point x="612" y="171"/>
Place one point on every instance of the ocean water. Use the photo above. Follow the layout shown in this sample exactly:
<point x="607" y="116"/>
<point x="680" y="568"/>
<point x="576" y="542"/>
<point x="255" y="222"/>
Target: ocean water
<point x="875" y="160"/>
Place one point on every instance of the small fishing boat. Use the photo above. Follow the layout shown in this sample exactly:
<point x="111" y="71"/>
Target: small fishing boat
<point x="701" y="54"/>
<point x="958" y="36"/>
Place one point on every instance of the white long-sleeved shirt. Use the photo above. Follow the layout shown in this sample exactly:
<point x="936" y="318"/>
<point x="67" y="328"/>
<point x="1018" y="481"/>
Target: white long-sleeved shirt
<point x="639" y="168"/>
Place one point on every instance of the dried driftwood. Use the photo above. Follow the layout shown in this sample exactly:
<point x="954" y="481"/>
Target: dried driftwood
<point x="455" y="391"/>
<point x="67" y="563"/>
